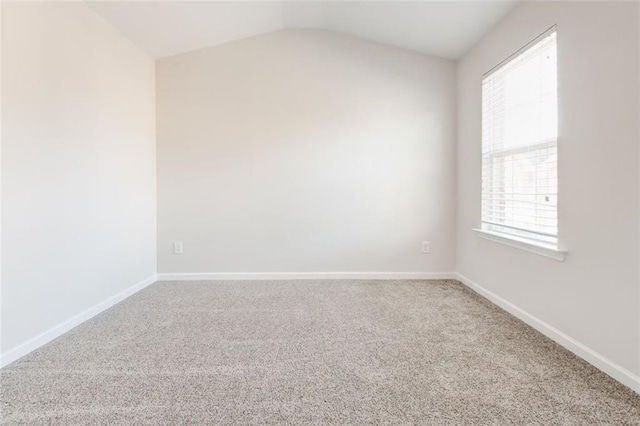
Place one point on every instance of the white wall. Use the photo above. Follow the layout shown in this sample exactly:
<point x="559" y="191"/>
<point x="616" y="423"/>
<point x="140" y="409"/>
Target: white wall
<point x="593" y="296"/>
<point x="305" y="151"/>
<point x="78" y="166"/>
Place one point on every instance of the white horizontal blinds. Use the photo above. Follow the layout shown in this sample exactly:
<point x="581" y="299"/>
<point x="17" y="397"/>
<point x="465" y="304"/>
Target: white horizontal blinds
<point x="519" y="144"/>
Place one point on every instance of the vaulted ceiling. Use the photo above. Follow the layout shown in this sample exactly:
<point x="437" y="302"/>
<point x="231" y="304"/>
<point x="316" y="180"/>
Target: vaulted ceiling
<point x="441" y="28"/>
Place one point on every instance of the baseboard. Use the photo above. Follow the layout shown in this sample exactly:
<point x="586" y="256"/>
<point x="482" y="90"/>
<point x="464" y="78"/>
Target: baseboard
<point x="602" y="363"/>
<point x="44" y="338"/>
<point x="220" y="276"/>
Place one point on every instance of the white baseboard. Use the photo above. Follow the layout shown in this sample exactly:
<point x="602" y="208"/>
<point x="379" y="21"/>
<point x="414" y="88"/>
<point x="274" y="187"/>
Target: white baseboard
<point x="220" y="276"/>
<point x="614" y="370"/>
<point x="44" y="338"/>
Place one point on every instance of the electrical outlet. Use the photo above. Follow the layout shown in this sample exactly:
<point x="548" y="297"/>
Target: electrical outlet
<point x="178" y="248"/>
<point x="426" y="247"/>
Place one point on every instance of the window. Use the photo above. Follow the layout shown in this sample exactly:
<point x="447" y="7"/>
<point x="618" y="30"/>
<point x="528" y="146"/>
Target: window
<point x="520" y="145"/>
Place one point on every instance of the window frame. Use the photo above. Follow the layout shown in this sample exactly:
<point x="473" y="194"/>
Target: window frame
<point x="486" y="230"/>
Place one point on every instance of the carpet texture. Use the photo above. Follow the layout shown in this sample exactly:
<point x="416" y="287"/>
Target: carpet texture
<point x="309" y="352"/>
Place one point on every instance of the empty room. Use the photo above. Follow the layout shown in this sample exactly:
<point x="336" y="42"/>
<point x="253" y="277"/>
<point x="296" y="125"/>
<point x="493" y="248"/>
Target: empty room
<point x="320" y="212"/>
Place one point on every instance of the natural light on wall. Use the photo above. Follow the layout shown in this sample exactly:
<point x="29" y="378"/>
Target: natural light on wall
<point x="519" y="144"/>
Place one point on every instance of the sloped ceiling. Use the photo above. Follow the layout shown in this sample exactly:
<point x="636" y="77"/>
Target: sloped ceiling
<point x="441" y="28"/>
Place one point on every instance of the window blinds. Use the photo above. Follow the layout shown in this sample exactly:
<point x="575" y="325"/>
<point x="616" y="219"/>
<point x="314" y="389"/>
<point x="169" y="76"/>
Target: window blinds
<point x="519" y="144"/>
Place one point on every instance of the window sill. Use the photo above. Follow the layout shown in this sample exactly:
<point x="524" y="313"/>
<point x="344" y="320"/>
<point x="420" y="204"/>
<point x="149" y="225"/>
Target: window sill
<point x="522" y="244"/>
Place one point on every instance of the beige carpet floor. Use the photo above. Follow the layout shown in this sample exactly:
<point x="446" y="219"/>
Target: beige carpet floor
<point x="309" y="352"/>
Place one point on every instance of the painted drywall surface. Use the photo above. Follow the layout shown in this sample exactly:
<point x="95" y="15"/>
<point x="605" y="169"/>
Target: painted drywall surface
<point x="166" y="28"/>
<point x="78" y="165"/>
<point x="593" y="295"/>
<point x="305" y="151"/>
